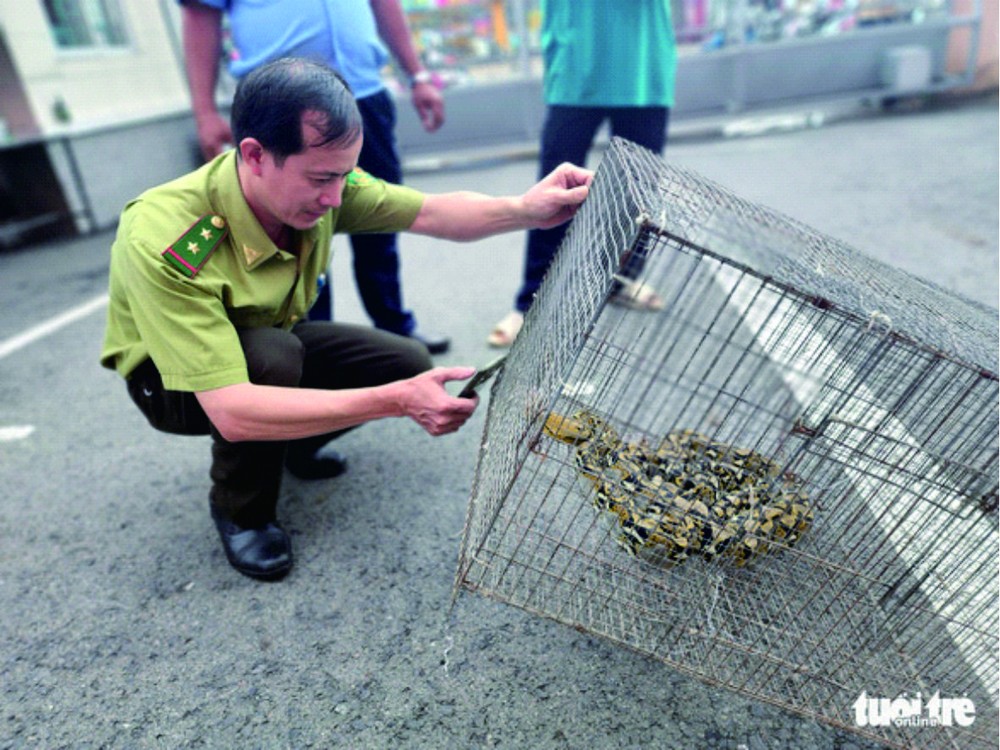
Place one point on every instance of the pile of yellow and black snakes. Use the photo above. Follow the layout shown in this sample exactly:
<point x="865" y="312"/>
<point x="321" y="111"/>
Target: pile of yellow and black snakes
<point x="689" y="495"/>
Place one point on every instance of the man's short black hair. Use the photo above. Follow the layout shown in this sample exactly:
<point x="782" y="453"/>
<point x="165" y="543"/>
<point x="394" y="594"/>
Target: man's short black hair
<point x="270" y="102"/>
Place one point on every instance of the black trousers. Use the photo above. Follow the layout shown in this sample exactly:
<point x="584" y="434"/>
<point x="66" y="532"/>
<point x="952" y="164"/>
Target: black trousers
<point x="246" y="476"/>
<point x="567" y="135"/>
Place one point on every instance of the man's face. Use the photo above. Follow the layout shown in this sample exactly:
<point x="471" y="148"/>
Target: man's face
<point x="304" y="187"/>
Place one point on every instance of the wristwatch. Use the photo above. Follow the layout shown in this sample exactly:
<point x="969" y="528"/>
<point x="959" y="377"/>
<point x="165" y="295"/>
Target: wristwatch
<point x="422" y="76"/>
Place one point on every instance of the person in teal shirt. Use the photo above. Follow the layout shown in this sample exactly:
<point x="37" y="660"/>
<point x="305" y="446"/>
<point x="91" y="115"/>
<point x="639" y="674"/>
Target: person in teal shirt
<point x="605" y="60"/>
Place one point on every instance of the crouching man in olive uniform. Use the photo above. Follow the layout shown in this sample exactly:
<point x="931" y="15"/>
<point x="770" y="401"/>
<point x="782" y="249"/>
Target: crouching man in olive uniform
<point x="212" y="276"/>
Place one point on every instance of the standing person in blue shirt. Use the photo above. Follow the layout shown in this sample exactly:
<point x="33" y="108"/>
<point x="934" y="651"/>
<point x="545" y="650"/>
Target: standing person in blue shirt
<point x="604" y="60"/>
<point x="348" y="35"/>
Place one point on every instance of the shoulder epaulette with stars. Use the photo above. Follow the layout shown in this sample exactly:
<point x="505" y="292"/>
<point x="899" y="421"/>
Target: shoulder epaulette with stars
<point x="190" y="251"/>
<point x="360" y="178"/>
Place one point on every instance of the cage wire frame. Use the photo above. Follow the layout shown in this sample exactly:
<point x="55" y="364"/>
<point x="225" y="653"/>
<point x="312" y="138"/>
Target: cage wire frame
<point x="876" y="390"/>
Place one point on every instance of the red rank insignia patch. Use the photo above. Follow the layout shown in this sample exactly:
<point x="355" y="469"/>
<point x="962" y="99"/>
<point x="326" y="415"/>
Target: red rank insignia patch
<point x="190" y="251"/>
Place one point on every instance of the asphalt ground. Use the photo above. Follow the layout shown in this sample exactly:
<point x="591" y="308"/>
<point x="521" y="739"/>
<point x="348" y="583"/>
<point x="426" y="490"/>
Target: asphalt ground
<point x="122" y="626"/>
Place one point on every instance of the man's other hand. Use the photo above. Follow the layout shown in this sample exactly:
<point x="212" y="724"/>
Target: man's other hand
<point x="425" y="400"/>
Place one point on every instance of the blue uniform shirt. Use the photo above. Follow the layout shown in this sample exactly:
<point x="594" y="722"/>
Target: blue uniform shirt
<point x="340" y="33"/>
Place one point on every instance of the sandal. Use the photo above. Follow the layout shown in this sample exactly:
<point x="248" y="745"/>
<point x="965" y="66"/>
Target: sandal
<point x="637" y="296"/>
<point x="504" y="332"/>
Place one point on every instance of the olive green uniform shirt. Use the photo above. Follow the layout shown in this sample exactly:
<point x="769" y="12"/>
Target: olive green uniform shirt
<point x="184" y="314"/>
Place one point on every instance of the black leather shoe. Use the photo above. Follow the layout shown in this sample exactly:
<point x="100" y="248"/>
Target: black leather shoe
<point x="435" y="344"/>
<point x="325" y="463"/>
<point x="263" y="552"/>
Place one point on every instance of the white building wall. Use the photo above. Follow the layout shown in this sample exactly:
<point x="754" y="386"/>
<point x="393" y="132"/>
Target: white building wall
<point x="99" y="86"/>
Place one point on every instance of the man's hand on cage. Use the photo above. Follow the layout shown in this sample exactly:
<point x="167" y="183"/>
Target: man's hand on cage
<point x="424" y="399"/>
<point x="556" y="198"/>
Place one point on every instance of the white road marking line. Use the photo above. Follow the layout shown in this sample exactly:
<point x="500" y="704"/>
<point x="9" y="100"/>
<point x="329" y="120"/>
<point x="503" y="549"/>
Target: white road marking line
<point x="17" y="432"/>
<point x="51" y="325"/>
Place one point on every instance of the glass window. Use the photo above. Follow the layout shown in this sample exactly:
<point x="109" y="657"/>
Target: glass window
<point x="474" y="40"/>
<point x="86" y="23"/>
<point x="718" y="23"/>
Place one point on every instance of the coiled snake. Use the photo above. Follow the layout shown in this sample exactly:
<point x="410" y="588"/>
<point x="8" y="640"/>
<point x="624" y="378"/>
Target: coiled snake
<point x="688" y="495"/>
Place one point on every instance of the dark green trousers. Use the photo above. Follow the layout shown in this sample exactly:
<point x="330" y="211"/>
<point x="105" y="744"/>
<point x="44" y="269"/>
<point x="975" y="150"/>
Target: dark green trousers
<point x="246" y="476"/>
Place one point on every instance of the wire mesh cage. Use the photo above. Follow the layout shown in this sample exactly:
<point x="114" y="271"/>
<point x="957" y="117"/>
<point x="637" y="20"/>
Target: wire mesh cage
<point x="783" y="482"/>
